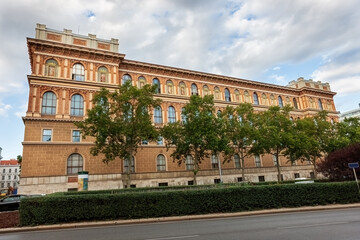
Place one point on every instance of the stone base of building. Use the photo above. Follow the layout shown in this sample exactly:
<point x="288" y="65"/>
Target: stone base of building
<point x="52" y="184"/>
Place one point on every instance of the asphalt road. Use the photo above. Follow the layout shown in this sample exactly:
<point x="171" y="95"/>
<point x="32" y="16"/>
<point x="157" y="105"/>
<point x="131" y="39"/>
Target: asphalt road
<point x="343" y="224"/>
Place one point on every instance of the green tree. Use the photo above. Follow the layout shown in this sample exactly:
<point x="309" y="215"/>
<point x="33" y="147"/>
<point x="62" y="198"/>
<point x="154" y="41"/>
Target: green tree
<point x="119" y="122"/>
<point x="305" y="144"/>
<point x="240" y="129"/>
<point x="274" y="132"/>
<point x="198" y="135"/>
<point x="348" y="132"/>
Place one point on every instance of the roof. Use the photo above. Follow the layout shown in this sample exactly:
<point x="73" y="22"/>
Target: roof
<point x="11" y="162"/>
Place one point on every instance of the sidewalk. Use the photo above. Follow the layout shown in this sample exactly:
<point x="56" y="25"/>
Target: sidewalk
<point x="177" y="218"/>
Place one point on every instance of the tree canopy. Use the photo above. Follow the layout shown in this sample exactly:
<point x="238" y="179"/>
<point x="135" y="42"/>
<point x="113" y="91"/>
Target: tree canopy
<point x="120" y="121"/>
<point x="198" y="135"/>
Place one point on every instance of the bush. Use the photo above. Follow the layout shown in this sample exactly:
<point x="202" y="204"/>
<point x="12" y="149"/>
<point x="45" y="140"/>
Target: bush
<point x="88" y="207"/>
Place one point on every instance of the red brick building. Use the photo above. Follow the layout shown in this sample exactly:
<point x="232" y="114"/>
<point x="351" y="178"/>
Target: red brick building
<point x="66" y="71"/>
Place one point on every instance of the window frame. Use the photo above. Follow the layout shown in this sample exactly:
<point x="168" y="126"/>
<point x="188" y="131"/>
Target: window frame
<point x="158" y="116"/>
<point x="48" y="104"/>
<point x="227" y="95"/>
<point x="74" y="136"/>
<point x="78" y="72"/>
<point x="70" y="167"/>
<point x="43" y="135"/>
<point x="160" y="163"/>
<point x="77" y="105"/>
<point x="103" y="71"/>
<point x="171" y="114"/>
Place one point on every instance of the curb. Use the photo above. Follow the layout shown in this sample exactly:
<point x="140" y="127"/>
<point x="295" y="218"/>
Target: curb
<point x="177" y="218"/>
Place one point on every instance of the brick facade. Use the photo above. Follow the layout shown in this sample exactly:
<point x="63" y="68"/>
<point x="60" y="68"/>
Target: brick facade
<point x="54" y="58"/>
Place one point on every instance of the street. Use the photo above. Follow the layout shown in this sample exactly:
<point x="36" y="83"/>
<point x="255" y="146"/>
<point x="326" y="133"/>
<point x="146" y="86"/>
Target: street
<point x="341" y="224"/>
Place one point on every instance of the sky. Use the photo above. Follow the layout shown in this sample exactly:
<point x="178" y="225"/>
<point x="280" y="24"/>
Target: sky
<point x="272" y="41"/>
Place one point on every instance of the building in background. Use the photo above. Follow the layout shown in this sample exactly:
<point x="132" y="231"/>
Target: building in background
<point x="351" y="114"/>
<point x="10" y="173"/>
<point x="68" y="69"/>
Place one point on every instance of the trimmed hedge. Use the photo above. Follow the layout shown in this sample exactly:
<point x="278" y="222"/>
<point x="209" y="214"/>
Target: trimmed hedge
<point x="169" y="188"/>
<point x="85" y="207"/>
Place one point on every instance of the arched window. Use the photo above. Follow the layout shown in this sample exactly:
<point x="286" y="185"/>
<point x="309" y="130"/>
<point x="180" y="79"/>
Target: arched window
<point x="287" y="101"/>
<point x="170" y="87"/>
<point x="194" y="89"/>
<point x="171" y="114"/>
<point x="320" y="104"/>
<point x="227" y="95"/>
<point x="280" y="102"/>
<point x="78" y="72"/>
<point x="77" y="105"/>
<point x="272" y="100"/>
<point x="103" y="74"/>
<point x="247" y="96"/>
<point x="48" y="106"/>
<point x="183" y="117"/>
<point x="218" y="113"/>
<point x="206" y="90"/>
<point x="141" y="82"/>
<point x="160" y="163"/>
<point x="217" y="93"/>
<point x="132" y="165"/>
<point x="74" y="164"/>
<point x="182" y="89"/>
<point x="264" y="99"/>
<point x="158" y="115"/>
<point x="237" y="160"/>
<point x="126" y="78"/>
<point x="51" y="68"/>
<point x="237" y="95"/>
<point x="311" y="101"/>
<point x="256" y="99"/>
<point x="156" y="82"/>
<point x="291" y="119"/>
<point x="295" y="103"/>
<point x="189" y="162"/>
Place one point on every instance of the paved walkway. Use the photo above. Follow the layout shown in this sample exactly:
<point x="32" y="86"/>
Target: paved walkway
<point x="177" y="218"/>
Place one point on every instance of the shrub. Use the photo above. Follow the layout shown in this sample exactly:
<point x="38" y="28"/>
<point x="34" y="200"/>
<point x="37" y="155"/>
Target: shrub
<point x="87" y="207"/>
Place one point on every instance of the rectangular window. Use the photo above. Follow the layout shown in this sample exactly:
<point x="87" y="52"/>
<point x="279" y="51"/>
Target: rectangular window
<point x="160" y="141"/>
<point x="9" y="177"/>
<point x="297" y="175"/>
<point x="189" y="163"/>
<point x="2" y="177"/>
<point x="274" y="159"/>
<point x="14" y="176"/>
<point x="261" y="178"/>
<point x="2" y="185"/>
<point x="10" y="170"/>
<point x="8" y="184"/>
<point x="15" y="169"/>
<point x="257" y="161"/>
<point x="312" y="175"/>
<point x="163" y="184"/>
<point x="239" y="179"/>
<point x="76" y="135"/>
<point x="4" y="170"/>
<point x="46" y="136"/>
<point x="214" y="162"/>
<point x="132" y="185"/>
<point x="190" y="183"/>
<point x="217" y="181"/>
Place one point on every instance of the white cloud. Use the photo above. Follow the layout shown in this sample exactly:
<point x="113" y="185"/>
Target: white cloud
<point x="276" y="68"/>
<point x="4" y="109"/>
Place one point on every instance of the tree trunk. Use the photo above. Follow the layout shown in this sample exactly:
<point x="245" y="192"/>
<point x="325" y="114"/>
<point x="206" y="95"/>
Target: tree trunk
<point x="314" y="164"/>
<point x="196" y="167"/>
<point x="242" y="166"/>
<point x="278" y="167"/>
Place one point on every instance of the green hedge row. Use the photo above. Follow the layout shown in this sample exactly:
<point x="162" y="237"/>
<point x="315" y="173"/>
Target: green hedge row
<point x="73" y="208"/>
<point x="169" y="188"/>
